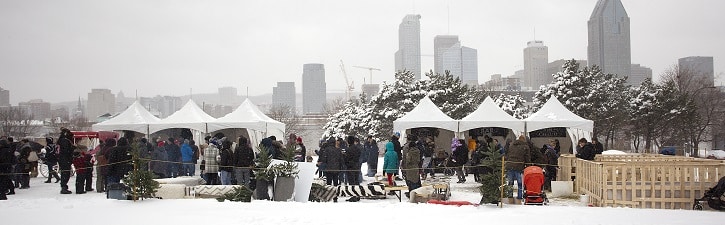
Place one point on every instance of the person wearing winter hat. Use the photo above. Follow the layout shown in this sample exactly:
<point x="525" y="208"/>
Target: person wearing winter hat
<point x="300" y="151"/>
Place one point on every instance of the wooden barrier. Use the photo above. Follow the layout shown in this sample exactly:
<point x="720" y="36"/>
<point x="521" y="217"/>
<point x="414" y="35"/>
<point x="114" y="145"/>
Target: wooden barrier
<point x="644" y="181"/>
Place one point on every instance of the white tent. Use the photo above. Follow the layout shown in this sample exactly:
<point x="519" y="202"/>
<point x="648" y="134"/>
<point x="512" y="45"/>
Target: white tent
<point x="134" y="118"/>
<point x="190" y="116"/>
<point x="554" y="114"/>
<point x="489" y="114"/>
<point x="248" y="116"/>
<point x="425" y="114"/>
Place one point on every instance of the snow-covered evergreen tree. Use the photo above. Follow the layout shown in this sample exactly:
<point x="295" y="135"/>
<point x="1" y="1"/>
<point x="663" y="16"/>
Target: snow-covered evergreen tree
<point x="654" y="110"/>
<point x="513" y="105"/>
<point x="453" y="97"/>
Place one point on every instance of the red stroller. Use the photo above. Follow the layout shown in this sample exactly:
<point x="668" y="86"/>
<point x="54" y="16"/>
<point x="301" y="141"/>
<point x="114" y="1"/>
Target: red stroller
<point x="533" y="186"/>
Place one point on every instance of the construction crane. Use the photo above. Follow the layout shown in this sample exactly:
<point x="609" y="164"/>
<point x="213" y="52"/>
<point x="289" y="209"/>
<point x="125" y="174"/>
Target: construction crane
<point x="370" y="69"/>
<point x="350" y="85"/>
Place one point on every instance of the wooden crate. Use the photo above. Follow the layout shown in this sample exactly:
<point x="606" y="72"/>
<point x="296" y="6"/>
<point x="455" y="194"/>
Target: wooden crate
<point x="647" y="181"/>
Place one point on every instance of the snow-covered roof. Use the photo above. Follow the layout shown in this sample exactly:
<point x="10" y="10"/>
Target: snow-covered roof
<point x="190" y="116"/>
<point x="489" y="114"/>
<point x="247" y="115"/>
<point x="554" y="114"/>
<point x="134" y="118"/>
<point x="425" y="114"/>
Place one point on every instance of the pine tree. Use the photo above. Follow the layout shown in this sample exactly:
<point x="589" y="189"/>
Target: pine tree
<point x="491" y="182"/>
<point x="141" y="182"/>
<point x="453" y="97"/>
<point x="514" y="105"/>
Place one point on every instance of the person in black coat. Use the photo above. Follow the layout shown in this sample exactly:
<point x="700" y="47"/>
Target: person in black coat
<point x="51" y="159"/>
<point x="460" y="158"/>
<point x="243" y="161"/>
<point x="352" y="161"/>
<point x="331" y="157"/>
<point x="65" y="158"/>
<point x="7" y="159"/>
<point x="598" y="147"/>
<point x="119" y="162"/>
<point x="173" y="155"/>
<point x="586" y="150"/>
<point x="372" y="151"/>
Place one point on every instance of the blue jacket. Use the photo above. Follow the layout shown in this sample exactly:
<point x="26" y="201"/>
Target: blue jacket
<point x="390" y="162"/>
<point x="187" y="153"/>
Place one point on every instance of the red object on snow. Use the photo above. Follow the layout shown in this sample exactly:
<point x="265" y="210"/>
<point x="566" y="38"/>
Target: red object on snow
<point x="533" y="184"/>
<point x="456" y="203"/>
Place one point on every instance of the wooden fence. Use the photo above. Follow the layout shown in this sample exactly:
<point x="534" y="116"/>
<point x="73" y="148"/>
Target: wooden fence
<point x="642" y="181"/>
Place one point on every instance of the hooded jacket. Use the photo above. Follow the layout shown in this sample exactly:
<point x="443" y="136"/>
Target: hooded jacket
<point x="390" y="161"/>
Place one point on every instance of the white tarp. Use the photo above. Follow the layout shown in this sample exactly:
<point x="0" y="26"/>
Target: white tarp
<point x="489" y="114"/>
<point x="248" y="116"/>
<point x="425" y="114"/>
<point x="134" y="118"/>
<point x="554" y="114"/>
<point x="190" y="116"/>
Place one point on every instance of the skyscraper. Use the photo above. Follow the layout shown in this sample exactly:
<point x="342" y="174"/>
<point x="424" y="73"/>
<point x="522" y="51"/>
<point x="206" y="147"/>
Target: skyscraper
<point x="408" y="55"/>
<point x="314" y="89"/>
<point x="460" y="61"/>
<point x="284" y="94"/>
<point x="638" y="74"/>
<point x="536" y="63"/>
<point x="4" y="97"/>
<point x="100" y="101"/>
<point x="701" y="67"/>
<point x="609" y="42"/>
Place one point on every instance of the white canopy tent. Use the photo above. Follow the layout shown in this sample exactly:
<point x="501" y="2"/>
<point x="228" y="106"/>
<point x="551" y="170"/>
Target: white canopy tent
<point x="248" y="116"/>
<point x="489" y="114"/>
<point x="189" y="116"/>
<point x="554" y="114"/>
<point x="425" y="114"/>
<point x="134" y="118"/>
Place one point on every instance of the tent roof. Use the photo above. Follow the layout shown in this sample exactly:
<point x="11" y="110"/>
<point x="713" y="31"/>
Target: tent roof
<point x="425" y="114"/>
<point x="134" y="118"/>
<point x="554" y="114"/>
<point x="189" y="116"/>
<point x="247" y="115"/>
<point x="489" y="114"/>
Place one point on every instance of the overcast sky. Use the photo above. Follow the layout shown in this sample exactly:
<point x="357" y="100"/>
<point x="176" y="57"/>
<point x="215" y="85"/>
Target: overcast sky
<point x="59" y="50"/>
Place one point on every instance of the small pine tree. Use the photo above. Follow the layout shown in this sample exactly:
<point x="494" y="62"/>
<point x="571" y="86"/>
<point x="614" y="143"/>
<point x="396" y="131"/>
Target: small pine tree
<point x="491" y="182"/>
<point x="141" y="182"/>
<point x="262" y="171"/>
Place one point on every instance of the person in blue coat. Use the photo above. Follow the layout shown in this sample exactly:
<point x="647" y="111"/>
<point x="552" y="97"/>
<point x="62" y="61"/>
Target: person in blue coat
<point x="187" y="158"/>
<point x="390" y="162"/>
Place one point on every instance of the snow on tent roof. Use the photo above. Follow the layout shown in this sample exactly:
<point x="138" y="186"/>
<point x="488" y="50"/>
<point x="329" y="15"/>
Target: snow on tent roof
<point x="554" y="114"/>
<point x="190" y="116"/>
<point x="489" y="114"/>
<point x="247" y="115"/>
<point x="425" y="114"/>
<point x="134" y="118"/>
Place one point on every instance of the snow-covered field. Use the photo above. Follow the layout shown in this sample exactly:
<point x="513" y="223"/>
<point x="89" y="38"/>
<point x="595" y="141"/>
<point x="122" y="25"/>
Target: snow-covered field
<point x="42" y="204"/>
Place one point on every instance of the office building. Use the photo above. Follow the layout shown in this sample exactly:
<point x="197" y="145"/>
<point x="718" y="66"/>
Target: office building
<point x="369" y="90"/>
<point x="37" y="108"/>
<point x="408" y="55"/>
<point x="609" y="39"/>
<point x="284" y="95"/>
<point x="4" y="97"/>
<point x="639" y="74"/>
<point x="536" y="63"/>
<point x="314" y="88"/>
<point x="701" y="67"/>
<point x="100" y="101"/>
<point x="460" y="61"/>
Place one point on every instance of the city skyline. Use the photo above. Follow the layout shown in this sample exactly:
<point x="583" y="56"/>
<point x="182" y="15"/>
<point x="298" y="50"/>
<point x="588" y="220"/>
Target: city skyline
<point x="171" y="47"/>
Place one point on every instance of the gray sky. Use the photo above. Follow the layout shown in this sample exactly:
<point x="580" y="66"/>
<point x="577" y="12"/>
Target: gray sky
<point x="168" y="47"/>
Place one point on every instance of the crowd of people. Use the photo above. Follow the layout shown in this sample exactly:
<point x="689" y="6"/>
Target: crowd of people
<point x="224" y="161"/>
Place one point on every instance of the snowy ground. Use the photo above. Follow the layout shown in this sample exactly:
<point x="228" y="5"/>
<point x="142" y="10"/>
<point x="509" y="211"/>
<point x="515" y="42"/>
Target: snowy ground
<point x="42" y="204"/>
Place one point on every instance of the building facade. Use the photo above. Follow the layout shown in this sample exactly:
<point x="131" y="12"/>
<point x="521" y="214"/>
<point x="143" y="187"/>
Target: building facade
<point x="370" y="89"/>
<point x="460" y="61"/>
<point x="39" y="109"/>
<point x="609" y="40"/>
<point x="639" y="74"/>
<point x="284" y="94"/>
<point x="408" y="55"/>
<point x="701" y="67"/>
<point x="4" y="97"/>
<point x="314" y="88"/>
<point x="100" y="101"/>
<point x="536" y="63"/>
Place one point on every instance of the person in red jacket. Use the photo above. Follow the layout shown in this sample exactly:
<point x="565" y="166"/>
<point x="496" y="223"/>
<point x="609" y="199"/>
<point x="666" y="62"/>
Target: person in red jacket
<point x="84" y="171"/>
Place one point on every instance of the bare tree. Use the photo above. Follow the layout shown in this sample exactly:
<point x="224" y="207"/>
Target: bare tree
<point x="17" y="122"/>
<point x="333" y="106"/>
<point x="290" y="117"/>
